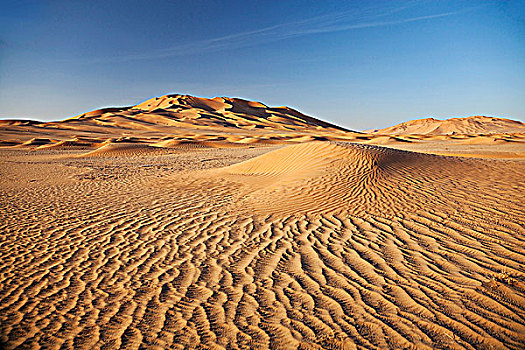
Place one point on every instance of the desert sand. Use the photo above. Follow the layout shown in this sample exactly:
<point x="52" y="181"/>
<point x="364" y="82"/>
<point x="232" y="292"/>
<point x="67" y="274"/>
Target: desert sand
<point x="221" y="223"/>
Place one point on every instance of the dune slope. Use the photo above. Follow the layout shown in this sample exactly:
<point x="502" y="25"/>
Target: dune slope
<point x="469" y="125"/>
<point x="175" y="114"/>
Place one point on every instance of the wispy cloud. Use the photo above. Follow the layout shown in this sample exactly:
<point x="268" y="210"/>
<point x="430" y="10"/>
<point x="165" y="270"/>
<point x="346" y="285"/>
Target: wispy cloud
<point x="328" y="23"/>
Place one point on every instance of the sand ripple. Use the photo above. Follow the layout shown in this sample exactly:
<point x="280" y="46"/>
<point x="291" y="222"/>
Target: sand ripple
<point x="312" y="246"/>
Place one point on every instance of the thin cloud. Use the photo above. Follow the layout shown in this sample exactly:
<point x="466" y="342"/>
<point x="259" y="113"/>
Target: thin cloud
<point x="328" y="23"/>
<point x="340" y="28"/>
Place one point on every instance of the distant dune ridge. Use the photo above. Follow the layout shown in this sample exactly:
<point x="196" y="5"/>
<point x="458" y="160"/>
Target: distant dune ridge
<point x="468" y="125"/>
<point x="175" y="121"/>
<point x="178" y="121"/>
<point x="185" y="110"/>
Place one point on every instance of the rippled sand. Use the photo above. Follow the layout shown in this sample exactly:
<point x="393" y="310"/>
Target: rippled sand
<point x="318" y="245"/>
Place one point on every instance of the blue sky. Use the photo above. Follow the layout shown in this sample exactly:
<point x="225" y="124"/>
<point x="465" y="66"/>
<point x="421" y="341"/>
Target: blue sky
<point x="358" y="64"/>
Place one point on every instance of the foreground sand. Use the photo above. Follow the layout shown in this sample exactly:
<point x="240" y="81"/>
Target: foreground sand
<point x="318" y="245"/>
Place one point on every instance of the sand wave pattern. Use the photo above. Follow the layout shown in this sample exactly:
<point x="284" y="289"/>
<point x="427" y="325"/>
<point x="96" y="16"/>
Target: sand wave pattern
<point x="312" y="246"/>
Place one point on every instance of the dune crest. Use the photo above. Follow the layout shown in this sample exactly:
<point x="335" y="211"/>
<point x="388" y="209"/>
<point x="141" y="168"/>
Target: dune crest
<point x="185" y="110"/>
<point x="331" y="177"/>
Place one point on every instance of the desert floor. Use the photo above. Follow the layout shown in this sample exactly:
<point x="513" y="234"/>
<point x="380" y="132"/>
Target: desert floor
<point x="317" y="245"/>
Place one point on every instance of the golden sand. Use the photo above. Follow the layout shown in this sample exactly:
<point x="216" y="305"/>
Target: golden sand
<point x="277" y="238"/>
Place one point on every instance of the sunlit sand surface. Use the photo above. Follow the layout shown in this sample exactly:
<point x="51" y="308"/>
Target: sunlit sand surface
<point x="266" y="230"/>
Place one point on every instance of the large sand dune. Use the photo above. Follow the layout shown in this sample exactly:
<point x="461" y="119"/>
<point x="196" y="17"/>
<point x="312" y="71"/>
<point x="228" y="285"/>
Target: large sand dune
<point x="174" y="114"/>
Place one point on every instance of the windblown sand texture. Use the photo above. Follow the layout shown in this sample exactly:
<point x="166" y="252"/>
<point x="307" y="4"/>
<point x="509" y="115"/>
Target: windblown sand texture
<point x="232" y="241"/>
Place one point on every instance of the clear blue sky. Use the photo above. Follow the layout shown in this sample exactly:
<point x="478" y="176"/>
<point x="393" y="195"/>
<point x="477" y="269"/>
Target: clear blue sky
<point x="360" y="64"/>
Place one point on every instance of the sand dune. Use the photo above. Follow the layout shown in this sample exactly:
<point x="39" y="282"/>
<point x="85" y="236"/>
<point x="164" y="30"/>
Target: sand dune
<point x="37" y="142"/>
<point x="469" y="125"/>
<point x="318" y="245"/>
<point x="74" y="143"/>
<point x="345" y="177"/>
<point x="194" y="112"/>
<point x="190" y="121"/>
